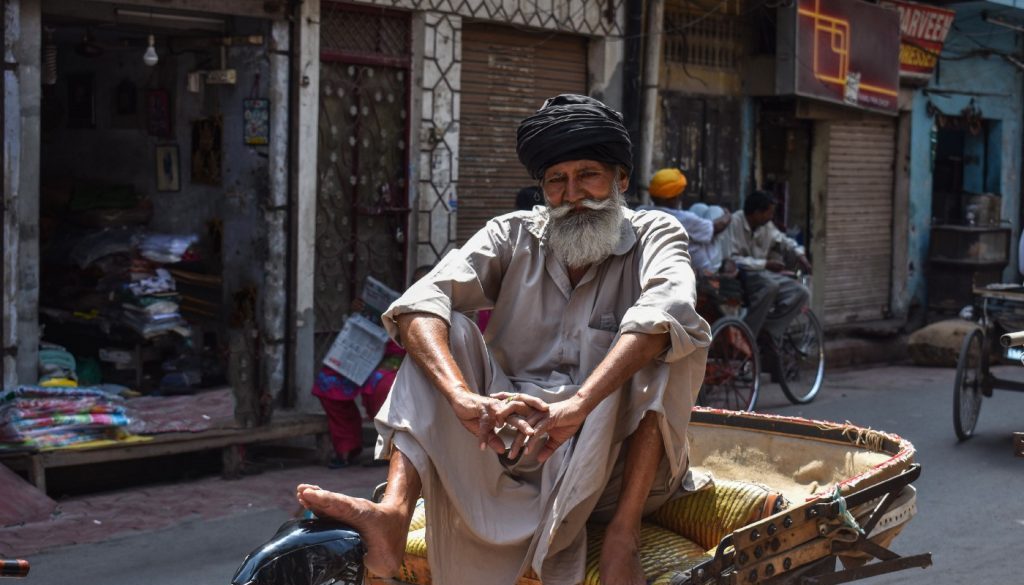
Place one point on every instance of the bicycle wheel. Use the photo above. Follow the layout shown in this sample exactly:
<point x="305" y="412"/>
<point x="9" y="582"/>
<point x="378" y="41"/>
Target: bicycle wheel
<point x="801" y="363"/>
<point x="967" y="392"/>
<point x="732" y="377"/>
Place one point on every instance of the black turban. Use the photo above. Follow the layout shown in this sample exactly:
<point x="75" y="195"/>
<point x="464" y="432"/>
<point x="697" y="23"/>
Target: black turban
<point x="572" y="127"/>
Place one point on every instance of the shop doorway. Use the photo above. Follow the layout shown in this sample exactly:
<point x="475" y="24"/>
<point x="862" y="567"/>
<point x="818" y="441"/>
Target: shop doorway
<point x="153" y="165"/>
<point x="968" y="154"/>
<point x="362" y="213"/>
<point x="785" y="155"/>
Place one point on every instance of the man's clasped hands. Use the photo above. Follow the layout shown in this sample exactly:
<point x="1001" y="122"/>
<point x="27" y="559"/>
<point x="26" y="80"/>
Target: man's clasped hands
<point x="539" y="427"/>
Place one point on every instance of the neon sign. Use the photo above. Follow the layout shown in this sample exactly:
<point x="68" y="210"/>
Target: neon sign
<point x="842" y="51"/>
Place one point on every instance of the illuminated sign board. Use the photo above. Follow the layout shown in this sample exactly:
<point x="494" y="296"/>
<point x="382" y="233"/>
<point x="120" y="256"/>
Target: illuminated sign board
<point x="841" y="51"/>
<point x="923" y="31"/>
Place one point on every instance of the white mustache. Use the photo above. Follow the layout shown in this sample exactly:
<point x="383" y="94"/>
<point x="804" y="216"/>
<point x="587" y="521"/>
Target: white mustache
<point x="566" y="208"/>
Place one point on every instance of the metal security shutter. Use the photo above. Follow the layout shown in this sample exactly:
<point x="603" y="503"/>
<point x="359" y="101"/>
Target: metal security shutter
<point x="506" y="75"/>
<point x="858" y="220"/>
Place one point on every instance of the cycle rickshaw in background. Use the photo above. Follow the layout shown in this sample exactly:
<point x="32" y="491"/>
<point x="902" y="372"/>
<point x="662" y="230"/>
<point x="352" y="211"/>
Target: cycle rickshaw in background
<point x="999" y="336"/>
<point x="732" y="378"/>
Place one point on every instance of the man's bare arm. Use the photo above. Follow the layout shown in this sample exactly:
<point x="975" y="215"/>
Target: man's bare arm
<point x="632" y="352"/>
<point x="426" y="339"/>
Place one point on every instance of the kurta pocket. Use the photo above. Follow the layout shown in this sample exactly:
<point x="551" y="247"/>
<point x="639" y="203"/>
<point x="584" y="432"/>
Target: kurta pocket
<point x="595" y="345"/>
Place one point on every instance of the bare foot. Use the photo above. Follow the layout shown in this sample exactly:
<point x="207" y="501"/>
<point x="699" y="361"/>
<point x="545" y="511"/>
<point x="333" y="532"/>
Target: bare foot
<point x="383" y="529"/>
<point x="620" y="558"/>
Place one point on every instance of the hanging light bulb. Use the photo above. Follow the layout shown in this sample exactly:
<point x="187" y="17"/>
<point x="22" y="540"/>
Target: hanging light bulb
<point x="150" y="57"/>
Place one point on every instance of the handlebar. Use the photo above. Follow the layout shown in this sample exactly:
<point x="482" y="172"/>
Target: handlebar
<point x="13" y="568"/>
<point x="1015" y="339"/>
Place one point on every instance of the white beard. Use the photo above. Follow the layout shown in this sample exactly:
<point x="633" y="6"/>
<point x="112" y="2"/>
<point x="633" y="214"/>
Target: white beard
<point x="587" y="237"/>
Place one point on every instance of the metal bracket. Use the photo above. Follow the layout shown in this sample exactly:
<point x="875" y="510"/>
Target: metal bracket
<point x="898" y="564"/>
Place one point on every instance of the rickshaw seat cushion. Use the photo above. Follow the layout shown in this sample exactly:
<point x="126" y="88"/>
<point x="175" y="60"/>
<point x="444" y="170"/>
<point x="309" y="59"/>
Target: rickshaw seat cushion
<point x="677" y="536"/>
<point x="709" y="515"/>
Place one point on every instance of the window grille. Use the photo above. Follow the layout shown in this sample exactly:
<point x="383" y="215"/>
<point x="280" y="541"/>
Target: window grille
<point x="350" y="30"/>
<point x="711" y="36"/>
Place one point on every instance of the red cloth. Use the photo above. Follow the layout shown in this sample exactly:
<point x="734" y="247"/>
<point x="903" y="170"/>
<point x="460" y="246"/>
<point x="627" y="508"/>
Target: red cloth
<point x="345" y="425"/>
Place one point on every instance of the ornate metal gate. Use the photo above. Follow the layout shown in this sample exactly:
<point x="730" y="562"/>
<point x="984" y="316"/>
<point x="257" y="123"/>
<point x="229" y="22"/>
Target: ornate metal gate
<point x="362" y="196"/>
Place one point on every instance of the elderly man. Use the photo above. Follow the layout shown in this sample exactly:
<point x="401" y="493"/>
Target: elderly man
<point x="575" y="404"/>
<point x="757" y="247"/>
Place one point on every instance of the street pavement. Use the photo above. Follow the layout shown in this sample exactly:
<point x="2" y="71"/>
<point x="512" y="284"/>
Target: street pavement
<point x="970" y="508"/>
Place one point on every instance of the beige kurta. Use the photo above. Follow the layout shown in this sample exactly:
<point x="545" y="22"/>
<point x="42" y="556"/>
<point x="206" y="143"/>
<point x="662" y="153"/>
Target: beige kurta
<point x="750" y="248"/>
<point x="487" y="519"/>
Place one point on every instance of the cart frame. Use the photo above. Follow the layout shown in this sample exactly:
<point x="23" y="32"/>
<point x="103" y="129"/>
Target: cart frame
<point x="974" y="377"/>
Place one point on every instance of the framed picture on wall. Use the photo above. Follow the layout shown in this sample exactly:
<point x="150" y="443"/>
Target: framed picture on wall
<point x="168" y="168"/>
<point x="256" y="121"/>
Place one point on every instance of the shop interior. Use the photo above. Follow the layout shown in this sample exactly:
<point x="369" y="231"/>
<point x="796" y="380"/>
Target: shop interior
<point x="969" y="243"/>
<point x="153" y="168"/>
<point x="785" y="170"/>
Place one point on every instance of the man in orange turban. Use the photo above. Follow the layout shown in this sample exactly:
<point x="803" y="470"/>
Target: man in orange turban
<point x="666" y="189"/>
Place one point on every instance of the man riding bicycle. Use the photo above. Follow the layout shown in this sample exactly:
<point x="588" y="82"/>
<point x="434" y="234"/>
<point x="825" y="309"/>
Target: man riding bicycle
<point x="758" y="249"/>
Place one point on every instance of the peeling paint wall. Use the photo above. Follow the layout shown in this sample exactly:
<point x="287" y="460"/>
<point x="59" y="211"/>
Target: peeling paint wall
<point x="994" y="85"/>
<point x="11" y="162"/>
<point x="21" y="191"/>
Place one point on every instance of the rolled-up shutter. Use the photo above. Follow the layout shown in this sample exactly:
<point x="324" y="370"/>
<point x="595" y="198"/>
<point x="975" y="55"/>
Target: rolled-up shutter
<point x="507" y="74"/>
<point x="858" y="211"/>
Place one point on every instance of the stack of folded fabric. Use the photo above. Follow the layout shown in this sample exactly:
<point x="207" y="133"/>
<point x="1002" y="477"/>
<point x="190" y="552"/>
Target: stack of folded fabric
<point x="49" y="417"/>
<point x="151" y="306"/>
<point x="166" y="248"/>
<point x="57" y="367"/>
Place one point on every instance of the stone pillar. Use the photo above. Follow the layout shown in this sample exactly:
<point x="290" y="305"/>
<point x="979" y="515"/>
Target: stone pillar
<point x="439" y="81"/>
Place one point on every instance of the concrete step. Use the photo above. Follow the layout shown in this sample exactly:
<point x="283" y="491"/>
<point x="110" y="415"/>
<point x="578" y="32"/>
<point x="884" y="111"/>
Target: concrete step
<point x="845" y="352"/>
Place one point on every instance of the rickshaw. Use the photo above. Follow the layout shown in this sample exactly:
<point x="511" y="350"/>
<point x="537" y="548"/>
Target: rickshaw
<point x="732" y="378"/>
<point x="792" y="501"/>
<point x="1001" y="319"/>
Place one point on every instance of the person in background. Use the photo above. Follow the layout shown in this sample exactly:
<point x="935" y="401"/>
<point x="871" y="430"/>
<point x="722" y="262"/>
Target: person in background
<point x="338" y="394"/>
<point x="756" y="246"/>
<point x="666" y="189"/>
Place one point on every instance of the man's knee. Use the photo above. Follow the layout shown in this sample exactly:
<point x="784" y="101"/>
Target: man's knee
<point x="769" y="289"/>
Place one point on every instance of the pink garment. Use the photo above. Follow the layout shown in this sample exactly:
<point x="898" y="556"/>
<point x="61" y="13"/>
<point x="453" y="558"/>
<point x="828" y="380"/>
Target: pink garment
<point x="337" y="395"/>
<point x="345" y="426"/>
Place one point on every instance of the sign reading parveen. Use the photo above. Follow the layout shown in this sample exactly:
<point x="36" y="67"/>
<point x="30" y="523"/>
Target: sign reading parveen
<point x="842" y="51"/>
<point x="923" y="31"/>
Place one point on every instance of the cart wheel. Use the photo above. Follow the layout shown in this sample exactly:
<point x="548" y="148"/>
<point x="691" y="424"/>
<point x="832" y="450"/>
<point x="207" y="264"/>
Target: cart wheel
<point x="801" y="363"/>
<point x="732" y="377"/>
<point x="967" y="393"/>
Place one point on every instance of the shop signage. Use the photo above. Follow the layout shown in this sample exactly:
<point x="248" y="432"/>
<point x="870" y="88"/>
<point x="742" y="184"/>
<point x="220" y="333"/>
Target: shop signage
<point x="841" y="51"/>
<point x="923" y="31"/>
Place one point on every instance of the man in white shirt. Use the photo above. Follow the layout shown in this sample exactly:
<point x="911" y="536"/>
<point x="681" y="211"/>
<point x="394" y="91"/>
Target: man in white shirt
<point x="756" y="246"/>
<point x="666" y="188"/>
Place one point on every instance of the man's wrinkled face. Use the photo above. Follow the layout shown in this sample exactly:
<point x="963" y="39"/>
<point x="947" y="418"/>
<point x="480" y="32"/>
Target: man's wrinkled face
<point x="576" y="181"/>
<point x="584" y="209"/>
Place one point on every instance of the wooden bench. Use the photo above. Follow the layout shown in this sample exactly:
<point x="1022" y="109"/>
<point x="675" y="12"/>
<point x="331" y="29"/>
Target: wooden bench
<point x="230" y="441"/>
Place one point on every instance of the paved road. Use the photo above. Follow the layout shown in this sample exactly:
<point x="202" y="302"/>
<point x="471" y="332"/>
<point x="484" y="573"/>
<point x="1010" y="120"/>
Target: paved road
<point x="971" y="510"/>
